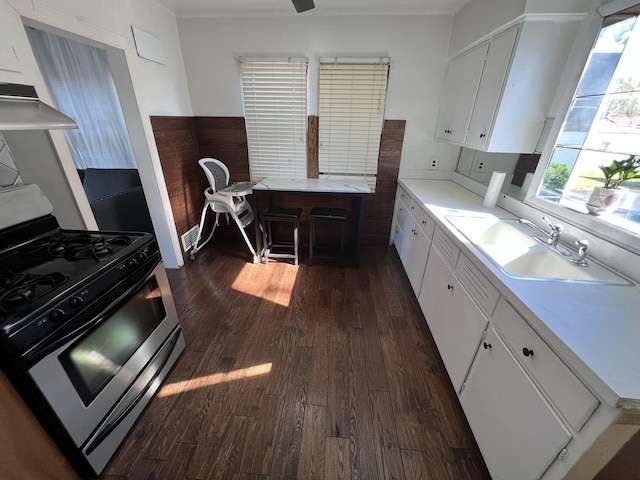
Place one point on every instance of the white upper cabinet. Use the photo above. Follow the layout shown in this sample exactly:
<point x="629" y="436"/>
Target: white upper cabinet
<point x="461" y="86"/>
<point x="490" y="88"/>
<point x="498" y="94"/>
<point x="9" y="60"/>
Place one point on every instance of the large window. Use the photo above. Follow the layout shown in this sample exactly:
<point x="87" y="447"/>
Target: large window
<point x="275" y="111"/>
<point x="602" y="125"/>
<point x="351" y="110"/>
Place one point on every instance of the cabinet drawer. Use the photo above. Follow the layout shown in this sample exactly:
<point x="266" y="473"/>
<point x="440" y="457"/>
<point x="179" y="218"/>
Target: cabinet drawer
<point x="403" y="196"/>
<point x="446" y="247"/>
<point x="426" y="223"/>
<point x="478" y="286"/>
<point x="565" y="390"/>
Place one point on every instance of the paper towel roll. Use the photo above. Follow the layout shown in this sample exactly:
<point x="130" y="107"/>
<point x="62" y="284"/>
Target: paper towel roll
<point x="493" y="190"/>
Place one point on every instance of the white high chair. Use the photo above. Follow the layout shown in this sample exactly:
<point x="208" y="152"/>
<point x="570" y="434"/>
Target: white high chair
<point x="222" y="198"/>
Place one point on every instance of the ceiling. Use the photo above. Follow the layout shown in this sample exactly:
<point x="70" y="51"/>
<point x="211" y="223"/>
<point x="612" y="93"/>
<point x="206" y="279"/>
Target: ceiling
<point x="263" y="8"/>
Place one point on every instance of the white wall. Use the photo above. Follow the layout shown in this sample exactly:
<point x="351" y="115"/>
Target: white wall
<point x="416" y="44"/>
<point x="165" y="89"/>
<point x="22" y="68"/>
<point x="479" y="18"/>
<point x="154" y="89"/>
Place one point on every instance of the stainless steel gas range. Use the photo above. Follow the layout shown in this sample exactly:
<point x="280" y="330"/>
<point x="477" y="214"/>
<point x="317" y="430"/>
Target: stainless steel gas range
<point x="88" y="327"/>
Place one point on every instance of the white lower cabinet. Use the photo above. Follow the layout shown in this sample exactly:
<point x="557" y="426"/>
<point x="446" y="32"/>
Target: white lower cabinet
<point x="518" y="433"/>
<point x="399" y="239"/>
<point x="563" y="389"/>
<point x="531" y="409"/>
<point x="413" y="230"/>
<point x="455" y="321"/>
<point x="416" y="254"/>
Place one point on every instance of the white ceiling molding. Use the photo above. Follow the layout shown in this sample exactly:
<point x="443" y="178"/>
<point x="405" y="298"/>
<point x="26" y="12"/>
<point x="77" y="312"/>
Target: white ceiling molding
<point x="278" y="8"/>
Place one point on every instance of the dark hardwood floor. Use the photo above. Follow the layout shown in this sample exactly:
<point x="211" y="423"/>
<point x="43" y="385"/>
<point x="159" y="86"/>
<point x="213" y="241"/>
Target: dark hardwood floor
<point x="300" y="373"/>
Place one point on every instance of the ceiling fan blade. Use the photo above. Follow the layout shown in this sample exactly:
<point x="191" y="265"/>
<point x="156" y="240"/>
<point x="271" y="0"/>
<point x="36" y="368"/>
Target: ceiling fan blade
<point x="303" y="5"/>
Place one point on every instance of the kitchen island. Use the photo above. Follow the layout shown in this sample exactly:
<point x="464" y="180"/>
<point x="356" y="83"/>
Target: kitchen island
<point x="357" y="189"/>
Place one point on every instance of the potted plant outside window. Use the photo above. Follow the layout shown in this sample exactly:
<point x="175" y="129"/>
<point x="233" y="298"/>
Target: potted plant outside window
<point x="606" y="198"/>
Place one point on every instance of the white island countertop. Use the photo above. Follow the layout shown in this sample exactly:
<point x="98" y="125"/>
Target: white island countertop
<point x="594" y="328"/>
<point x="313" y="185"/>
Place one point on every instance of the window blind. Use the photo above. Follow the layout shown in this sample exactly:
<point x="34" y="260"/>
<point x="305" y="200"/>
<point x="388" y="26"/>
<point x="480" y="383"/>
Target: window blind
<point x="275" y="111"/>
<point x="351" y="109"/>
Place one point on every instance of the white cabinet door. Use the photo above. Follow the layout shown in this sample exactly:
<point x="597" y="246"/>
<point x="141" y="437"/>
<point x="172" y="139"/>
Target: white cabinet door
<point x="490" y="89"/>
<point x="506" y="107"/>
<point x="418" y="252"/>
<point x="461" y="85"/>
<point x="455" y="321"/>
<point x="568" y="394"/>
<point x="9" y="25"/>
<point x="400" y="225"/>
<point x="398" y="237"/>
<point x="405" y="241"/>
<point x="518" y="433"/>
<point x="411" y="236"/>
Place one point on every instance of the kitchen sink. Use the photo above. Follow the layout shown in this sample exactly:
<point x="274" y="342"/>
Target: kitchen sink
<point x="512" y="248"/>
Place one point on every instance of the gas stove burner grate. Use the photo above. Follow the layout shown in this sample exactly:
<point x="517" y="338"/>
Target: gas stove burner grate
<point x="93" y="247"/>
<point x="18" y="290"/>
<point x="79" y="246"/>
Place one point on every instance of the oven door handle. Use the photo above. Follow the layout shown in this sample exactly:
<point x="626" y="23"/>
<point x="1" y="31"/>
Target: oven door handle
<point x="140" y="387"/>
<point x="79" y="325"/>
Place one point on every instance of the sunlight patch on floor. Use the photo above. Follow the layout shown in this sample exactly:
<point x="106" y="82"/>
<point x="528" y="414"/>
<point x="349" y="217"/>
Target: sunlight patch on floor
<point x="209" y="380"/>
<point x="272" y="293"/>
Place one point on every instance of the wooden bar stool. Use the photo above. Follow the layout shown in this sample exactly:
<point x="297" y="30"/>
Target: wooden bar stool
<point x="323" y="214"/>
<point x="281" y="214"/>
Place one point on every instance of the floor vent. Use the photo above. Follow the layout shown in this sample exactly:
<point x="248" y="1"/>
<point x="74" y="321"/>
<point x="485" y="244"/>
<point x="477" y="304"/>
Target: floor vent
<point x="189" y="238"/>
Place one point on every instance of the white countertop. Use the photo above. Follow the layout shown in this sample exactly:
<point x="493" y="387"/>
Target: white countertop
<point x="313" y="185"/>
<point x="595" y="329"/>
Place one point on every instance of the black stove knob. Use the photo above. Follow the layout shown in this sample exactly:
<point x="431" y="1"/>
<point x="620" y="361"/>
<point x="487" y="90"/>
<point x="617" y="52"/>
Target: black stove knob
<point x="75" y="301"/>
<point x="141" y="256"/>
<point x="132" y="262"/>
<point x="57" y="315"/>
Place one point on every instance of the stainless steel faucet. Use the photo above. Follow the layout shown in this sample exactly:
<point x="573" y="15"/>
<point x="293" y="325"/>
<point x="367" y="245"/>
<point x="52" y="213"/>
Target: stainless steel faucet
<point x="583" y="248"/>
<point x="551" y="238"/>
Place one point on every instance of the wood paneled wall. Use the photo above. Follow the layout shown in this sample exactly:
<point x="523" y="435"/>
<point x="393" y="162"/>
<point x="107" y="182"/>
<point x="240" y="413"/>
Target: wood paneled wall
<point x="379" y="209"/>
<point x="177" y="142"/>
<point x="182" y="141"/>
<point x="225" y="138"/>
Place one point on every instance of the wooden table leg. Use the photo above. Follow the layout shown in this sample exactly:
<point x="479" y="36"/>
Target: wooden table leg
<point x="359" y="230"/>
<point x="256" y="212"/>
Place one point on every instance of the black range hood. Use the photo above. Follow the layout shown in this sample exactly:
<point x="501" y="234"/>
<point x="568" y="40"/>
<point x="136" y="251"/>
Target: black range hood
<point x="20" y="109"/>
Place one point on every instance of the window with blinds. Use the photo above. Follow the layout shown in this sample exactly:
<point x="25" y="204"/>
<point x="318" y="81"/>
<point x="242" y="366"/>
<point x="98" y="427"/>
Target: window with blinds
<point x="351" y="109"/>
<point x="275" y="111"/>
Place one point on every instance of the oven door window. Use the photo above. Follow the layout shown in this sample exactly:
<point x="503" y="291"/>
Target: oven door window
<point x="95" y="359"/>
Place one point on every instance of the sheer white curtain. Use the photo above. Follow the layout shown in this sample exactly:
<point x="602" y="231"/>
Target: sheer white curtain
<point x="81" y="85"/>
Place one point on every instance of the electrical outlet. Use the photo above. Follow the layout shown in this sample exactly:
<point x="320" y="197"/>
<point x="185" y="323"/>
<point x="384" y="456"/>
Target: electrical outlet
<point x="433" y="163"/>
